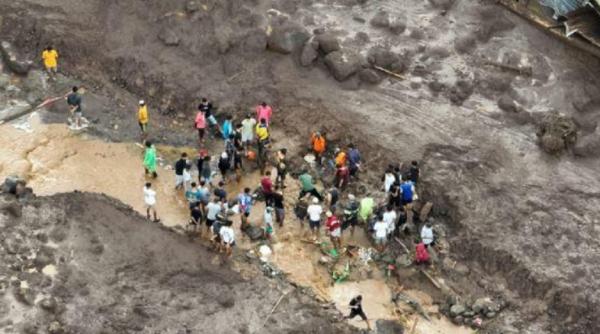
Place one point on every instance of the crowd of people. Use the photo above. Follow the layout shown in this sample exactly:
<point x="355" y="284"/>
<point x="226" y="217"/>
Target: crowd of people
<point x="249" y="140"/>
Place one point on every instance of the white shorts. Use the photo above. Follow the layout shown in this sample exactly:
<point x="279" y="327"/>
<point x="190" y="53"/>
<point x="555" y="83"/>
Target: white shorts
<point x="178" y="180"/>
<point x="336" y="233"/>
<point x="380" y="241"/>
<point x="246" y="138"/>
<point x="150" y="206"/>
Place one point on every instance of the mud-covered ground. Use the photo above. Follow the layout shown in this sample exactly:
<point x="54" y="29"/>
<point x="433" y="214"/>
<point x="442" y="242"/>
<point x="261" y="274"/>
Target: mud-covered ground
<point x="83" y="263"/>
<point x="525" y="221"/>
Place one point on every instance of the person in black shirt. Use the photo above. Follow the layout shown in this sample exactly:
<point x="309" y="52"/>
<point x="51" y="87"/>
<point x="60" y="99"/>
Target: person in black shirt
<point x="356" y="309"/>
<point x="74" y="102"/>
<point x="195" y="217"/>
<point x="220" y="192"/>
<point x="414" y="172"/>
<point x="281" y="168"/>
<point x="224" y="165"/>
<point x="278" y="203"/>
<point x="237" y="163"/>
<point x="180" y="165"/>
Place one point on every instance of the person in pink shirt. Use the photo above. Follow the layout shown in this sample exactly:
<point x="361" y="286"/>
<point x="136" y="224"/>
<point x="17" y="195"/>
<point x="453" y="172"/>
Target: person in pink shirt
<point x="200" y="124"/>
<point x="264" y="111"/>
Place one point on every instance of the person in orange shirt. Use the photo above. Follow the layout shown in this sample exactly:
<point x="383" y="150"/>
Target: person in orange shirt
<point x="319" y="145"/>
<point x="340" y="157"/>
<point x="50" y="58"/>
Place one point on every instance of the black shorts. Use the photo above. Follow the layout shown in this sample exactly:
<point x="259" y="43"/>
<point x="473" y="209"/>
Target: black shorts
<point x="406" y="201"/>
<point x="232" y="244"/>
<point x="209" y="222"/>
<point x="354" y="312"/>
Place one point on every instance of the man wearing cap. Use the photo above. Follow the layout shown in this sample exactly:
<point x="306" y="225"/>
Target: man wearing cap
<point x="334" y="228"/>
<point x="314" y="217"/>
<point x="143" y="119"/>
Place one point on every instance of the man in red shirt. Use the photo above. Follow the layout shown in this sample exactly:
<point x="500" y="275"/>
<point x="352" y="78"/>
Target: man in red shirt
<point x="342" y="176"/>
<point x="267" y="187"/>
<point x="334" y="227"/>
<point x="421" y="254"/>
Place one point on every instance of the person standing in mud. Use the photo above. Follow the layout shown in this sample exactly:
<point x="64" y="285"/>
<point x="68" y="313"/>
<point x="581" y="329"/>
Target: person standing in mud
<point x="356" y="309"/>
<point x="212" y="210"/>
<point x="262" y="136"/>
<point x="227" y="235"/>
<point x="245" y="204"/>
<point x="407" y="192"/>
<point x="150" y="159"/>
<point x="281" y="165"/>
<point x="414" y="172"/>
<point x="74" y="102"/>
<point x="342" y="177"/>
<point x="278" y="204"/>
<point x="207" y="108"/>
<point x="248" y="125"/>
<point x="314" y="217"/>
<point x="143" y="120"/>
<point x="266" y="185"/>
<point x="334" y="229"/>
<point x="150" y="201"/>
<point x="264" y="111"/>
<point x="318" y="146"/>
<point x="50" y="58"/>
<point x="350" y="214"/>
<point x="180" y="166"/>
<point x="307" y="186"/>
<point x="353" y="160"/>
<point x="200" y="124"/>
<point x="227" y="128"/>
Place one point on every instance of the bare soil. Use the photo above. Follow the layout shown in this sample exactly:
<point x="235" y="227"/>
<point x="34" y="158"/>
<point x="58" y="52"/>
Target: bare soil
<point x="524" y="221"/>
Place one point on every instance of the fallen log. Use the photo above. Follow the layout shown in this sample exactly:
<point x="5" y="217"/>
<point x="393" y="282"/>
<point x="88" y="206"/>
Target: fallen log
<point x="388" y="72"/>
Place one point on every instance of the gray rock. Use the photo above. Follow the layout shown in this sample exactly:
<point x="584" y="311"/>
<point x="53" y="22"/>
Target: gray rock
<point x="369" y="76"/>
<point x="25" y="295"/>
<point x="4" y="80"/>
<point x="359" y="19"/>
<point x="508" y="104"/>
<point x="192" y="6"/>
<point x="35" y="84"/>
<point x="309" y="53"/>
<point x="328" y="43"/>
<point x="255" y="41"/>
<point x="383" y="57"/>
<point x="342" y="65"/>
<point x="49" y="304"/>
<point x="398" y="26"/>
<point x="490" y="314"/>
<point x="465" y="44"/>
<point x="388" y="327"/>
<point x="56" y="327"/>
<point x="254" y="233"/>
<point x="362" y="37"/>
<point x="381" y="19"/>
<point x="169" y="37"/>
<point x="482" y="305"/>
<point x="287" y="38"/>
<point x="12" y="59"/>
<point x="457" y="310"/>
<point x="458" y="320"/>
<point x="588" y="146"/>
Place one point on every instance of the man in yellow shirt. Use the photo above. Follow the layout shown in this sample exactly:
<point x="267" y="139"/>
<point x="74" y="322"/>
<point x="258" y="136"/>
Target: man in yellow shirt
<point x="262" y="134"/>
<point x="143" y="119"/>
<point x="50" y="57"/>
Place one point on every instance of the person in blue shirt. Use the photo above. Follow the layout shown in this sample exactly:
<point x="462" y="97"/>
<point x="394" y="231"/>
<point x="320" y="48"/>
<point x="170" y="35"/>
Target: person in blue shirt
<point x="353" y="159"/>
<point x="227" y="128"/>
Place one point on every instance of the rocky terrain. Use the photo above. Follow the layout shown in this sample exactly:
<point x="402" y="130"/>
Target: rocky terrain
<point x="509" y="152"/>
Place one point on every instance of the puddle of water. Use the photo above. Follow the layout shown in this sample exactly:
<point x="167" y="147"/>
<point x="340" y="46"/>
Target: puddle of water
<point x="50" y="270"/>
<point x="376" y="299"/>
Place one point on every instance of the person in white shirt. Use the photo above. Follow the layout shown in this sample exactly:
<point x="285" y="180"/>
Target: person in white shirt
<point x="388" y="179"/>
<point x="248" y="125"/>
<point x="427" y="235"/>
<point x="212" y="210"/>
<point x="227" y="238"/>
<point x="314" y="212"/>
<point x="150" y="201"/>
<point x="380" y="235"/>
<point x="389" y="217"/>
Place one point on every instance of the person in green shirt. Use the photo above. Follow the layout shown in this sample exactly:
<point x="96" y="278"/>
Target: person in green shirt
<point x="307" y="186"/>
<point x="150" y="159"/>
<point x="366" y="209"/>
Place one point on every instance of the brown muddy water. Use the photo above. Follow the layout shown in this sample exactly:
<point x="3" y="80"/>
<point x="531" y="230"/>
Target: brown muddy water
<point x="55" y="159"/>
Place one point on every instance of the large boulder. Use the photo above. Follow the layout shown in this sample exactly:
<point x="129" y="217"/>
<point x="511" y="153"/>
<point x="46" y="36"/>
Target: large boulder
<point x="328" y="43"/>
<point x="589" y="145"/>
<point x="309" y="53"/>
<point x="12" y="59"/>
<point x="369" y="76"/>
<point x="388" y="327"/>
<point x="381" y="19"/>
<point x="382" y="57"/>
<point x="556" y="132"/>
<point x="342" y="65"/>
<point x="287" y="37"/>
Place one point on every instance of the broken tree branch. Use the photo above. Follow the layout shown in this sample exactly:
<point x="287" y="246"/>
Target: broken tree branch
<point x="402" y="244"/>
<point x="414" y="326"/>
<point x="431" y="279"/>
<point x="274" y="308"/>
<point x="396" y="75"/>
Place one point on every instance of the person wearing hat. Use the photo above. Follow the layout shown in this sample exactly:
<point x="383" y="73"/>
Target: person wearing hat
<point x="143" y="119"/>
<point x="314" y="217"/>
<point x="334" y="228"/>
